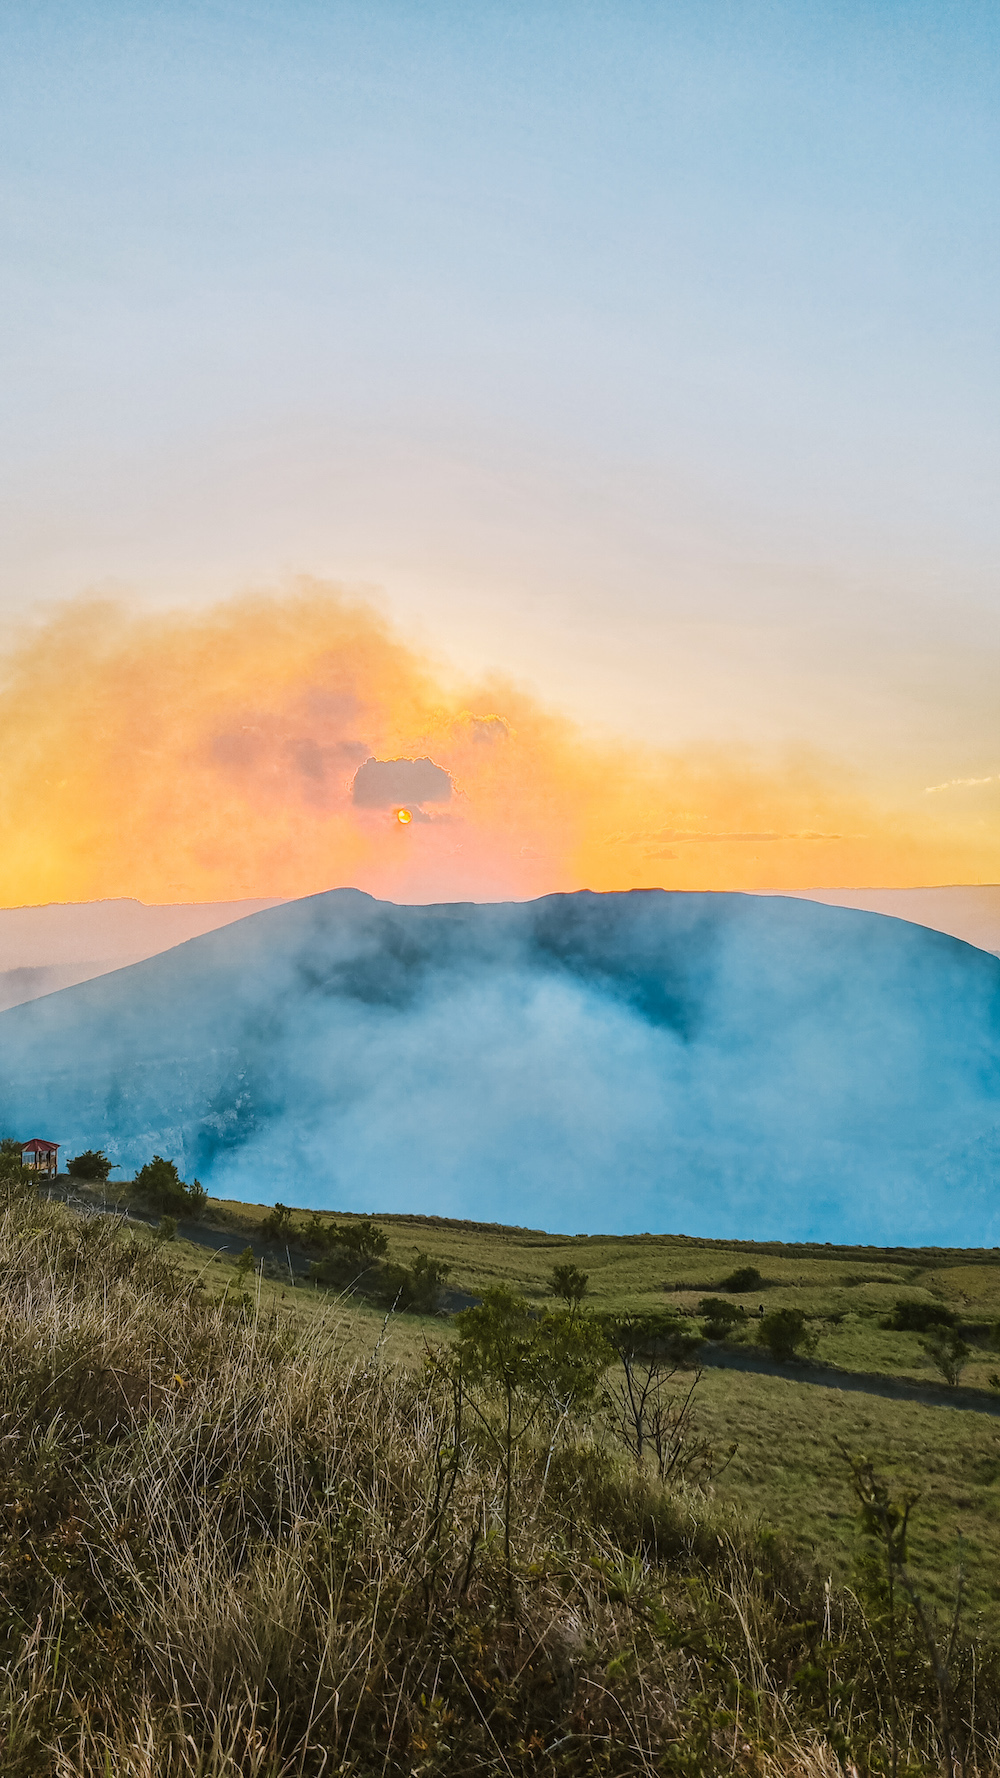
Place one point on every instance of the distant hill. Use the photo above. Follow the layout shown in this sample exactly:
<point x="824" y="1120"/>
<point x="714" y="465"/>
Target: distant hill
<point x="724" y="1065"/>
<point x="965" y="910"/>
<point x="59" y="944"/>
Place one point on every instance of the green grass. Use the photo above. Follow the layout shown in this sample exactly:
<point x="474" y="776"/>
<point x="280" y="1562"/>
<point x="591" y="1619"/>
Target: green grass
<point x="251" y="1535"/>
<point x="847" y="1291"/>
<point x="788" y="1470"/>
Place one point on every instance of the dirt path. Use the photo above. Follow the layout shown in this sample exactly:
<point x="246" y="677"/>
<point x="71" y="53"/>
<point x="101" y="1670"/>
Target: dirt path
<point x="936" y="1395"/>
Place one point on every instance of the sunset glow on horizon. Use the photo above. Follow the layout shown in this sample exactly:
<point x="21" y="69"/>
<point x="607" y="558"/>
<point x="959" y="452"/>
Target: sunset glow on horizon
<point x="200" y="755"/>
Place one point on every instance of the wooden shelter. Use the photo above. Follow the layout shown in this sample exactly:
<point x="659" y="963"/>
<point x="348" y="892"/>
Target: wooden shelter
<point x="40" y="1156"/>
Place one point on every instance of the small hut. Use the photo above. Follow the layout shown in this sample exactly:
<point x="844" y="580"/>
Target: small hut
<point x="40" y="1156"/>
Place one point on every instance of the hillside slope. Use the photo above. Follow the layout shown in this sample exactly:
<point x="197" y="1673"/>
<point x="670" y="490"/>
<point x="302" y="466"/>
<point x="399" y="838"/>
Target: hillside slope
<point x="43" y="949"/>
<point x="966" y="910"/>
<point x="711" y="1064"/>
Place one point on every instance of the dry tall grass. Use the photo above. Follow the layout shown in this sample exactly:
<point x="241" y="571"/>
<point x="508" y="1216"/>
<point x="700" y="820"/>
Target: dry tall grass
<point x="227" y="1551"/>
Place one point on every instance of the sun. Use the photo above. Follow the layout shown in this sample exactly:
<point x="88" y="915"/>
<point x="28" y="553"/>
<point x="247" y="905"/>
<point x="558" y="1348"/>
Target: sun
<point x="404" y="817"/>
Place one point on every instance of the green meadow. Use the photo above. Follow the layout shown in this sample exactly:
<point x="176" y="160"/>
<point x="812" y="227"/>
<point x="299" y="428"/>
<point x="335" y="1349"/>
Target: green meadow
<point x="788" y="1471"/>
<point x="255" y="1524"/>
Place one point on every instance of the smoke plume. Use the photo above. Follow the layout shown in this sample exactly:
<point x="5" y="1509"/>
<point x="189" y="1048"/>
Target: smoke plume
<point x="710" y="1064"/>
<point x="199" y="755"/>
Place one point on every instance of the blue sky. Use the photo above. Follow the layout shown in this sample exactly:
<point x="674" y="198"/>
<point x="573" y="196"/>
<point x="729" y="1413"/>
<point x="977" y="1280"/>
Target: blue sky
<point x="648" y="352"/>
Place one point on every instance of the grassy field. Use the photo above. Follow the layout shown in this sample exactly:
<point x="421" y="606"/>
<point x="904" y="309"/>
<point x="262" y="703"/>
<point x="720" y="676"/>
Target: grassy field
<point x="788" y="1470"/>
<point x="789" y="1473"/>
<point x="846" y="1291"/>
<point x="244" y="1533"/>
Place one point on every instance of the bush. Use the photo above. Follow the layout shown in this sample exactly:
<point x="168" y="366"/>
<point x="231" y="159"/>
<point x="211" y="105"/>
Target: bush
<point x="720" y="1317"/>
<point x="15" y="1177"/>
<point x="159" y="1185"/>
<point x="415" y="1289"/>
<point x="362" y="1240"/>
<point x="278" y="1226"/>
<point x="785" y="1332"/>
<point x="914" y="1317"/>
<point x="948" y="1352"/>
<point x="354" y="1258"/>
<point x="355" y="1244"/>
<point x="352" y="1253"/>
<point x="668" y="1338"/>
<point x="744" y="1279"/>
<point x="92" y="1164"/>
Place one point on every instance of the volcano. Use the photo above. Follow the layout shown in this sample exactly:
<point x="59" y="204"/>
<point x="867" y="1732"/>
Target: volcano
<point x="709" y="1064"/>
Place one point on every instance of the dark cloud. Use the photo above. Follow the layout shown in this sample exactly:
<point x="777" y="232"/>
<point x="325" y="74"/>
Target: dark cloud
<point x="396" y="783"/>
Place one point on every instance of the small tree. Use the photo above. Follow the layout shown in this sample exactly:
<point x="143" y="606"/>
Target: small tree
<point x="883" y="1573"/>
<point x="160" y="1185"/>
<point x="948" y="1352"/>
<point x="574" y="1353"/>
<point x="526" y="1363"/>
<point x="92" y="1164"/>
<point x="744" y="1279"/>
<point x="569" y="1284"/>
<point x="645" y="1409"/>
<point x="496" y="1350"/>
<point x="785" y="1332"/>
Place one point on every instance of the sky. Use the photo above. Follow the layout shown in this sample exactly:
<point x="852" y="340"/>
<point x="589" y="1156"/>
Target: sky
<point x="622" y="376"/>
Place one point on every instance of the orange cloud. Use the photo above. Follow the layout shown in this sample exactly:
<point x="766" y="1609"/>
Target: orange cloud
<point x="204" y="755"/>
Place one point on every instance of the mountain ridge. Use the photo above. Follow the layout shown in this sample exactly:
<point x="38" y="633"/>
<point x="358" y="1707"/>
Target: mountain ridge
<point x="715" y="1064"/>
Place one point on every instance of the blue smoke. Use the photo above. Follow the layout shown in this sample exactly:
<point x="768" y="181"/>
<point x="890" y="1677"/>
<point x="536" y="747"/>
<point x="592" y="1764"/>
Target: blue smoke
<point x="705" y="1064"/>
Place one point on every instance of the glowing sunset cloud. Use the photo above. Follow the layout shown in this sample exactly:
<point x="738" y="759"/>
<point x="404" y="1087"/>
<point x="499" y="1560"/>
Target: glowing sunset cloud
<point x="266" y="746"/>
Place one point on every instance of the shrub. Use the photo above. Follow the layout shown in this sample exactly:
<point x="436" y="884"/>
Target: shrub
<point x="93" y="1164"/>
<point x="913" y="1317"/>
<point x="353" y="1252"/>
<point x="785" y="1332"/>
<point x="363" y="1240"/>
<point x="15" y="1177"/>
<point x="667" y="1337"/>
<point x="719" y="1316"/>
<point x="354" y="1258"/>
<point x="744" y="1279"/>
<point x="278" y="1225"/>
<point x="159" y="1185"/>
<point x="415" y="1288"/>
